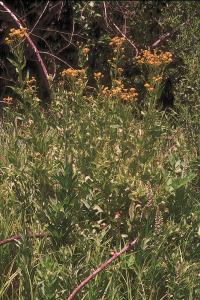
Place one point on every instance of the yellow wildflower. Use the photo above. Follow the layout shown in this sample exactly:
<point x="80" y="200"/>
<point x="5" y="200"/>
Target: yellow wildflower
<point x="85" y="50"/>
<point x="118" y="82"/>
<point x="147" y="85"/>
<point x="69" y="73"/>
<point x="8" y="100"/>
<point x="154" y="58"/>
<point x="98" y="75"/>
<point x="72" y="73"/>
<point x="50" y="77"/>
<point x="157" y="78"/>
<point x="15" y="35"/>
<point x="32" y="81"/>
<point x="120" y="70"/>
<point x="117" y="41"/>
<point x="151" y="89"/>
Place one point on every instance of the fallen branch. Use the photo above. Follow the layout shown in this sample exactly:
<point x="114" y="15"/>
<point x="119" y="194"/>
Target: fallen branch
<point x="101" y="268"/>
<point x="165" y="36"/>
<point x="40" y="63"/>
<point x="161" y="40"/>
<point x="18" y="238"/>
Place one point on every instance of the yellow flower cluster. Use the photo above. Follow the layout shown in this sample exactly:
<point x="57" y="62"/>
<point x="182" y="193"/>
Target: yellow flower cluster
<point x="72" y="73"/>
<point x="117" y="41"/>
<point x="85" y="50"/>
<point x="8" y="100"/>
<point x="50" y="77"/>
<point x="98" y="75"/>
<point x="157" y="78"/>
<point x="31" y="82"/>
<point x="152" y="87"/>
<point x="149" y="87"/>
<point x="15" y="35"/>
<point x="120" y="92"/>
<point x="120" y="70"/>
<point x="154" y="58"/>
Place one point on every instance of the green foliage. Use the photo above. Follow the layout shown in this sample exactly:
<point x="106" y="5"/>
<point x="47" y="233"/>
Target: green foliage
<point x="94" y="172"/>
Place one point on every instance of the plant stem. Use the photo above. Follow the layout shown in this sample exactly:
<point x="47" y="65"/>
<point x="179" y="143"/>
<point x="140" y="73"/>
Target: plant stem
<point x="18" y="237"/>
<point x="101" y="268"/>
<point x="41" y="65"/>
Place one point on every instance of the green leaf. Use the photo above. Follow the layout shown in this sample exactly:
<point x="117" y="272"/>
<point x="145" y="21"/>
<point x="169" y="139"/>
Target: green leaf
<point x="13" y="62"/>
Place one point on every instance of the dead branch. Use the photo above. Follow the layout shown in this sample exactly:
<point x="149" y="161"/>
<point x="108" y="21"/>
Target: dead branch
<point x="163" y="37"/>
<point x="40" y="63"/>
<point x="50" y="51"/>
<point x="160" y="40"/>
<point x="56" y="57"/>
<point x="117" y="28"/>
<point x="127" y="248"/>
<point x="18" y="238"/>
<point x="70" y="40"/>
<point x="39" y="18"/>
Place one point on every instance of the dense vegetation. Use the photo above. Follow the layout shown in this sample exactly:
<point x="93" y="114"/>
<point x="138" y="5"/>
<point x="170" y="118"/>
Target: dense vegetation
<point x="113" y="158"/>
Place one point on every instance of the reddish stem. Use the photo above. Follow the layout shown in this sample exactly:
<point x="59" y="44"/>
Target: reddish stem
<point x="18" y="237"/>
<point x="160" y="40"/>
<point x="101" y="268"/>
<point x="41" y="65"/>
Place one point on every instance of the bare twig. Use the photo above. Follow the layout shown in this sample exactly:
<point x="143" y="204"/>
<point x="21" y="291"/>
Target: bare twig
<point x="39" y="18"/>
<point x="118" y="29"/>
<point x="41" y="65"/>
<point x="101" y="268"/>
<point x="160" y="40"/>
<point x="69" y="41"/>
<point x="48" y="46"/>
<point x="60" y="10"/>
<point x="6" y="79"/>
<point x="168" y="34"/>
<point x="56" y="57"/>
<point x="130" y="42"/>
<point x="61" y="32"/>
<point x="18" y="238"/>
<point x="105" y="13"/>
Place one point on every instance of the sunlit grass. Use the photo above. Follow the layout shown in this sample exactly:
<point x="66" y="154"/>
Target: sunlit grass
<point x="94" y="175"/>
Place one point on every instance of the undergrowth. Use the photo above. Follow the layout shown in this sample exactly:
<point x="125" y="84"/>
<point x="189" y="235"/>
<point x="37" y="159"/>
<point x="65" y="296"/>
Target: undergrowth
<point x="93" y="173"/>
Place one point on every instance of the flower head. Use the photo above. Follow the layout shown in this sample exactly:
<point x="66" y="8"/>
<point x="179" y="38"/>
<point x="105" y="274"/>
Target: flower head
<point x="73" y="73"/>
<point x="85" y="50"/>
<point x="15" y="35"/>
<point x="8" y="100"/>
<point x="98" y="75"/>
<point x="31" y="81"/>
<point x="154" y="58"/>
<point x="117" y="41"/>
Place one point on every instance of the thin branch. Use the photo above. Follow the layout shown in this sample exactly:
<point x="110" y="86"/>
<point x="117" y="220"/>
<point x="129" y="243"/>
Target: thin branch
<point x="105" y="13"/>
<point x="160" y="40"/>
<point x="60" y="10"/>
<point x="6" y="79"/>
<point x="69" y="41"/>
<point x="60" y="32"/>
<point x="127" y="248"/>
<point x="56" y="57"/>
<point x="16" y="238"/>
<point x="48" y="46"/>
<point x="130" y="42"/>
<point x="106" y="16"/>
<point x="39" y="18"/>
<point x="118" y="29"/>
<point x="168" y="34"/>
<point x="39" y="60"/>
